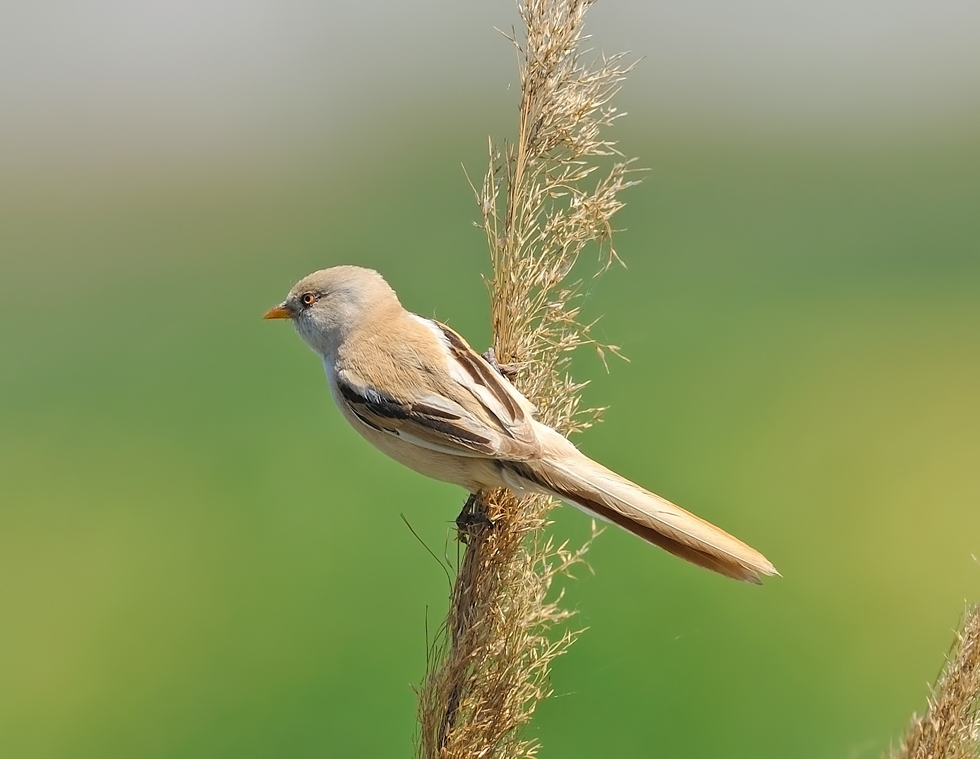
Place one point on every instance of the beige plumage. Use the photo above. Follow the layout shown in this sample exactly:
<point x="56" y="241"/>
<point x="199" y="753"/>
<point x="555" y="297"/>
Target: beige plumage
<point x="414" y="388"/>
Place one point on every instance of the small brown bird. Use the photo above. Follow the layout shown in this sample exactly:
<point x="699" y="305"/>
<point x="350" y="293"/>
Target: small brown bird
<point x="415" y="389"/>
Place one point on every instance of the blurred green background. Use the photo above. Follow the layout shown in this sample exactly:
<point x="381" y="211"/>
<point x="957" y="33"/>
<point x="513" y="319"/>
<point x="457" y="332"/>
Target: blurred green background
<point x="199" y="559"/>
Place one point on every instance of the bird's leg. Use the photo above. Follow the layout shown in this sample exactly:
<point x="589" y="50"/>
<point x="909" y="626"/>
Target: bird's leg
<point x="507" y="371"/>
<point x="472" y="516"/>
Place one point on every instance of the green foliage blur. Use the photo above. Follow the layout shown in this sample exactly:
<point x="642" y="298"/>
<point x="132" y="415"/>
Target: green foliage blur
<point x="199" y="559"/>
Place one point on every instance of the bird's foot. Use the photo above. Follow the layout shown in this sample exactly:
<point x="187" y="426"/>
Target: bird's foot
<point x="507" y="371"/>
<point x="472" y="518"/>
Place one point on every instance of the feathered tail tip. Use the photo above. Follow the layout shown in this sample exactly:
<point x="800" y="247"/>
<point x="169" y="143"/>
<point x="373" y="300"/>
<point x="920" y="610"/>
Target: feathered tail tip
<point x="682" y="534"/>
<point x="574" y="477"/>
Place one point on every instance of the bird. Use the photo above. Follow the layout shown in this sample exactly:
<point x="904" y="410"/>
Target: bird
<point x="418" y="392"/>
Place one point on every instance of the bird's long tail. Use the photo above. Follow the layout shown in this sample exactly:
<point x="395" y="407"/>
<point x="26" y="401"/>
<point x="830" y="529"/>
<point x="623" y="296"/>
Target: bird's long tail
<point x="574" y="477"/>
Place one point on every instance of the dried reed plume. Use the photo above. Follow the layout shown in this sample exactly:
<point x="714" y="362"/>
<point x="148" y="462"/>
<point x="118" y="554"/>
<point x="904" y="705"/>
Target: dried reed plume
<point x="950" y="728"/>
<point x="542" y="201"/>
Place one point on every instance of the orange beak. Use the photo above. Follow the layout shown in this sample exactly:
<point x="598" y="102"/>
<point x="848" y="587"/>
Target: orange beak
<point x="278" y="312"/>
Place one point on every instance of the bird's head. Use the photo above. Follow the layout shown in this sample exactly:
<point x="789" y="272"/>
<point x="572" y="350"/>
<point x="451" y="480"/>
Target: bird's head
<point x="328" y="305"/>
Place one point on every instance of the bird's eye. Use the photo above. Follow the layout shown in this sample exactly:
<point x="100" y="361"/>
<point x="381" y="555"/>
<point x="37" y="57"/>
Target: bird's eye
<point x="308" y="299"/>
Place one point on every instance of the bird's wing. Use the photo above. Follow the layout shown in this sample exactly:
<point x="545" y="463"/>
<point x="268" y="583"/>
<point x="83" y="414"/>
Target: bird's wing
<point x="463" y="408"/>
<point x="497" y="401"/>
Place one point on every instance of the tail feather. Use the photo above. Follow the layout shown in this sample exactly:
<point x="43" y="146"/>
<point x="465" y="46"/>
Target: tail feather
<point x="726" y="565"/>
<point x="575" y="478"/>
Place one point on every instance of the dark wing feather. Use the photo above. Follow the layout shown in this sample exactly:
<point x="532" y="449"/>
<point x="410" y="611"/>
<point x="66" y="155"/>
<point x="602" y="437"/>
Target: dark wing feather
<point x="494" y="394"/>
<point x="424" y="423"/>
<point x="464" y="408"/>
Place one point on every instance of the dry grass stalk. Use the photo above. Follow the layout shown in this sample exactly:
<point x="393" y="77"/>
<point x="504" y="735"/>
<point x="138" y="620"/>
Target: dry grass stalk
<point x="950" y="728"/>
<point x="542" y="203"/>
